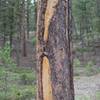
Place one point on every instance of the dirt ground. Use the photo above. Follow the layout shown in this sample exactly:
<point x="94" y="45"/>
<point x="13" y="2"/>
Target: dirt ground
<point x="87" y="86"/>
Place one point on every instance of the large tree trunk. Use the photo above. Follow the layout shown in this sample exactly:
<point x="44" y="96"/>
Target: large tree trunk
<point x="54" y="60"/>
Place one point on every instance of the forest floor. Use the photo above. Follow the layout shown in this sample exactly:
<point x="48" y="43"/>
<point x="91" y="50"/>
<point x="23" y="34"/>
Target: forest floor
<point x="17" y="83"/>
<point x="87" y="87"/>
<point x="86" y="80"/>
<point x="87" y="75"/>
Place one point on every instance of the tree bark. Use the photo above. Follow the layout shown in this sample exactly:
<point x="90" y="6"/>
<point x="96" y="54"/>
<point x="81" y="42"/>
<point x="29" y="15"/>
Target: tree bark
<point x="54" y="57"/>
<point x="28" y="3"/>
<point x="23" y="28"/>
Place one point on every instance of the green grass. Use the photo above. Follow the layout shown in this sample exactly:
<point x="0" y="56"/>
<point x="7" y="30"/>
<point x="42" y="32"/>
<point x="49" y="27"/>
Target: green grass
<point x="17" y="83"/>
<point x="82" y="98"/>
<point x="88" y="69"/>
<point x="98" y="95"/>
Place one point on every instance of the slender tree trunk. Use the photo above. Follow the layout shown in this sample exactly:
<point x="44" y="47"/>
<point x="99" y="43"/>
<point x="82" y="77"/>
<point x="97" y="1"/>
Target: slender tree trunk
<point x="35" y="4"/>
<point x="23" y="29"/>
<point x="11" y="14"/>
<point x="54" y="57"/>
<point x="18" y="52"/>
<point x="18" y="31"/>
<point x="4" y="39"/>
<point x="28" y="3"/>
<point x="11" y="39"/>
<point x="4" y="31"/>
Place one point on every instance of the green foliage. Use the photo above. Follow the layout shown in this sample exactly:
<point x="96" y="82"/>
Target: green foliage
<point x="21" y="70"/>
<point x="34" y="40"/>
<point x="82" y="50"/>
<point x="18" y="94"/>
<point x="82" y="98"/>
<point x="97" y="95"/>
<point x="27" y="78"/>
<point x="5" y="56"/>
<point x="89" y="68"/>
<point x="87" y="20"/>
<point x="77" y="63"/>
<point x="82" y="11"/>
<point x="16" y="89"/>
<point x="89" y="65"/>
<point x="33" y="15"/>
<point x="97" y="24"/>
<point x="2" y="71"/>
<point x="23" y="94"/>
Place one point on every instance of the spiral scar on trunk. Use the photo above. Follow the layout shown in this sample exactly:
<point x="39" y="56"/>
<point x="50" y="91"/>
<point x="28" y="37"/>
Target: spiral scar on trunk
<point x="48" y="15"/>
<point x="46" y="80"/>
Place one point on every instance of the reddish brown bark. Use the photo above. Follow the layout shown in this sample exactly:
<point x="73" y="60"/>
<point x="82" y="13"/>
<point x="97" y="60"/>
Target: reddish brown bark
<point x="54" y="61"/>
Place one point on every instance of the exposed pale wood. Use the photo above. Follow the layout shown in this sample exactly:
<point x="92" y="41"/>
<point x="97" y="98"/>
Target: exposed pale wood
<point x="48" y="15"/>
<point x="46" y="80"/>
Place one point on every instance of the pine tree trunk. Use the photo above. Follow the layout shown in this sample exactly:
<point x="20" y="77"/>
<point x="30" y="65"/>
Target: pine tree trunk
<point x="23" y="29"/>
<point x="54" y="60"/>
<point x="28" y="3"/>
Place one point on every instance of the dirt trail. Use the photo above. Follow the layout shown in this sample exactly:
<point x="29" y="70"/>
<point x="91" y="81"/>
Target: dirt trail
<point x="87" y="86"/>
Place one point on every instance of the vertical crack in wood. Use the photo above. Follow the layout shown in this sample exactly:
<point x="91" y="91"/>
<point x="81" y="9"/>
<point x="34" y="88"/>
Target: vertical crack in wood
<point x="46" y="80"/>
<point x="48" y="15"/>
